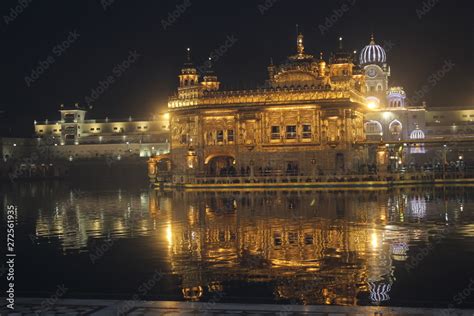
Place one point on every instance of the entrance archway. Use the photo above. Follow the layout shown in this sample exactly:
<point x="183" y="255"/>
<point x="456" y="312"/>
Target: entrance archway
<point x="221" y="166"/>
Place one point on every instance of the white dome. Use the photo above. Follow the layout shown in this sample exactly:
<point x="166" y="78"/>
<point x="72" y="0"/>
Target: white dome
<point x="417" y="134"/>
<point x="372" y="54"/>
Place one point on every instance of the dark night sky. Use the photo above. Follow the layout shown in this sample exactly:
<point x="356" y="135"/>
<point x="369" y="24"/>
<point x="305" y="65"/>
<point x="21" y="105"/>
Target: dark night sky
<point x="106" y="37"/>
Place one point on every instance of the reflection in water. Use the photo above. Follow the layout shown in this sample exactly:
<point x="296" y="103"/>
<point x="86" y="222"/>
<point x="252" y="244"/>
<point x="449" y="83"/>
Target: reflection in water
<point x="312" y="247"/>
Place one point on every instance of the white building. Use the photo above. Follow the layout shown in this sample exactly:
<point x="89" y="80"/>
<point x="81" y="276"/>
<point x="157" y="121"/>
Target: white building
<point x="392" y="118"/>
<point x="75" y="136"/>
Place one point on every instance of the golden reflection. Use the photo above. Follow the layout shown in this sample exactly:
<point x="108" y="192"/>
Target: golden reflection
<point x="374" y="240"/>
<point x="313" y="247"/>
<point x="317" y="247"/>
<point x="169" y="235"/>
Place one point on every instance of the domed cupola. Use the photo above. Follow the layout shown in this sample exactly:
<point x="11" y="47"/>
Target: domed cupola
<point x="189" y="76"/>
<point x="210" y="82"/>
<point x="373" y="54"/>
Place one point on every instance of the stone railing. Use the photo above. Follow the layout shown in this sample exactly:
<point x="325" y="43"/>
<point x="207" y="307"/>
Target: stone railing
<point x="424" y="176"/>
<point x="267" y="96"/>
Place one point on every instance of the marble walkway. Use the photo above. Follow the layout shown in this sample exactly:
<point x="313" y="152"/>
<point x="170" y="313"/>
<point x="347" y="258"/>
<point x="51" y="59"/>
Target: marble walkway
<point x="38" y="306"/>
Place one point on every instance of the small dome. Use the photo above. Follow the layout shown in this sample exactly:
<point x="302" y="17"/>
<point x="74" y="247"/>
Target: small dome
<point x="372" y="54"/>
<point x="417" y="134"/>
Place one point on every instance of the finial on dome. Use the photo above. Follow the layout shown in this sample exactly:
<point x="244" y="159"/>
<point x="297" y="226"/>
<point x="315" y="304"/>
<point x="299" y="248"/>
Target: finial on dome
<point x="320" y="55"/>
<point x="372" y="39"/>
<point x="188" y="50"/>
<point x="299" y="41"/>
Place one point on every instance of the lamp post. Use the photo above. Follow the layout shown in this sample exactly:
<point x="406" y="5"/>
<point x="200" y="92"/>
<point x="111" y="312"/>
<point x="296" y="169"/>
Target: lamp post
<point x="313" y="163"/>
<point x="251" y="168"/>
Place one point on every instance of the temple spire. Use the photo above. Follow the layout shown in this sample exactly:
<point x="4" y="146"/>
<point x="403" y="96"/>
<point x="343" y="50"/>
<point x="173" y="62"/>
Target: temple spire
<point x="188" y="52"/>
<point x="300" y="54"/>
<point x="340" y="43"/>
<point x="300" y="45"/>
<point x="209" y="63"/>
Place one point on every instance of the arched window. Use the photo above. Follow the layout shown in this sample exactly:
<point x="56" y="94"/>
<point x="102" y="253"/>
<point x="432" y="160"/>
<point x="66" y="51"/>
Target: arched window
<point x="417" y="148"/>
<point x="417" y="134"/>
<point x="379" y="88"/>
<point x="395" y="127"/>
<point x="373" y="128"/>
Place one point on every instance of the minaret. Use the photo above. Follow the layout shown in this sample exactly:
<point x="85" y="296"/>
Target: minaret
<point x="189" y="76"/>
<point x="210" y="82"/>
<point x="373" y="60"/>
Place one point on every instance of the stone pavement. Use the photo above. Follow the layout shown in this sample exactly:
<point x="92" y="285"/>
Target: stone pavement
<point x="33" y="307"/>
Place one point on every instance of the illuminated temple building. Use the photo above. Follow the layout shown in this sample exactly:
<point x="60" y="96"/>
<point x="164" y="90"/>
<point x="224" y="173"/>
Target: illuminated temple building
<point x="311" y="118"/>
<point x="310" y="112"/>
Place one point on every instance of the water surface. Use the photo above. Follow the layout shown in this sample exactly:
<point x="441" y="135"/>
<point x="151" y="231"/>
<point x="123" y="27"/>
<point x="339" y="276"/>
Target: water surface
<point x="407" y="247"/>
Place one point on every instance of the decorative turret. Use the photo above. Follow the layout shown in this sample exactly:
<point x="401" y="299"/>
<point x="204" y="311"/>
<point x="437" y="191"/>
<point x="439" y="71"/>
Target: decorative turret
<point x="300" y="55"/>
<point x="373" y="62"/>
<point x="341" y="56"/>
<point x="189" y="76"/>
<point x="210" y="82"/>
<point x="373" y="54"/>
<point x="321" y="65"/>
<point x="341" y="64"/>
<point x="271" y="69"/>
<point x="396" y="97"/>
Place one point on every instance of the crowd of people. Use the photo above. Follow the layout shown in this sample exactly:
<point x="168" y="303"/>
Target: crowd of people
<point x="367" y="169"/>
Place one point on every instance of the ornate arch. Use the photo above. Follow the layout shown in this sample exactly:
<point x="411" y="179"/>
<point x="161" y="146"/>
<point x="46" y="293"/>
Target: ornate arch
<point x="378" y="130"/>
<point x="210" y="157"/>
<point x="393" y="127"/>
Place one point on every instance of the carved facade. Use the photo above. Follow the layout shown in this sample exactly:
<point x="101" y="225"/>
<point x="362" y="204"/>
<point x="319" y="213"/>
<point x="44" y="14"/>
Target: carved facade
<point x="306" y="119"/>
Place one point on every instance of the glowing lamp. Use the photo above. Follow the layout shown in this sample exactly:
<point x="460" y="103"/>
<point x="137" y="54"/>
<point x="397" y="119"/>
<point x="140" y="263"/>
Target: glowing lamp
<point x="372" y="105"/>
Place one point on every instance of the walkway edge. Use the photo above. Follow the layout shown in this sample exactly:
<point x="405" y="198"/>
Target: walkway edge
<point x="118" y="307"/>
